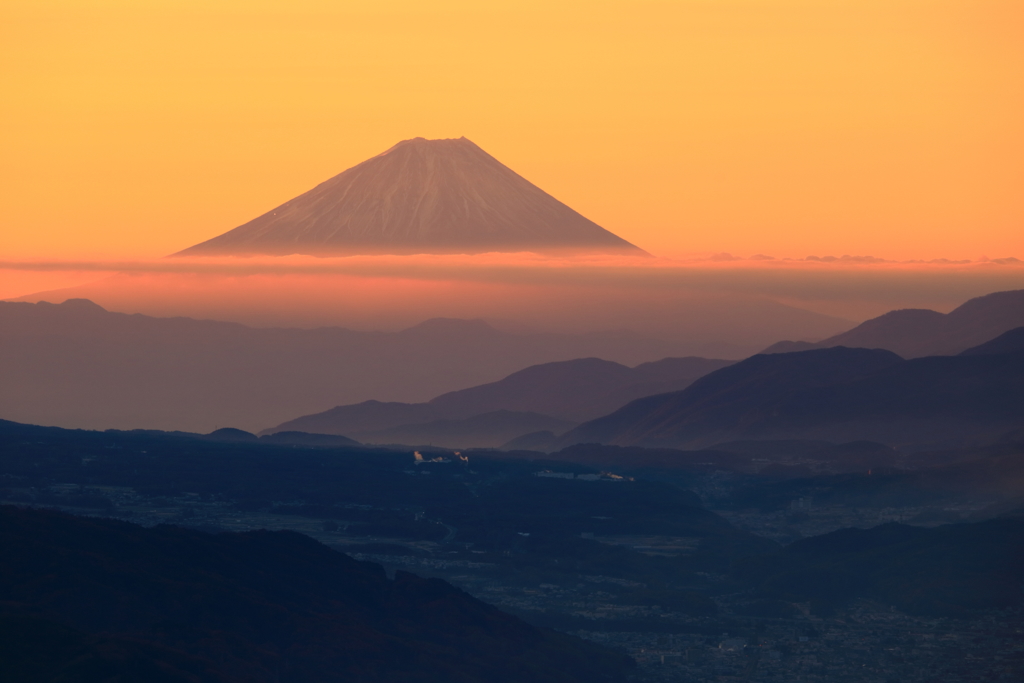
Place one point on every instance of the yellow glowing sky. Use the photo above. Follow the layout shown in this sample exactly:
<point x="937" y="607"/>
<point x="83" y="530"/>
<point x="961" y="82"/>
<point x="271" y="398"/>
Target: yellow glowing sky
<point x="134" y="128"/>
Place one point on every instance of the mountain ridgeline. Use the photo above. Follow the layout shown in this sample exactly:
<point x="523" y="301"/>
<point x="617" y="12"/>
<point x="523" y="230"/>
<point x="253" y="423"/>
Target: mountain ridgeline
<point x="913" y="333"/>
<point x="551" y="397"/>
<point x="77" y="365"/>
<point x="835" y="394"/>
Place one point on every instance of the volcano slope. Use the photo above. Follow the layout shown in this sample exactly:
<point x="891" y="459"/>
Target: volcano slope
<point x="421" y="196"/>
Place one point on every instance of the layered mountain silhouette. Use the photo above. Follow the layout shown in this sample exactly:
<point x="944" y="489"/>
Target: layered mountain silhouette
<point x="836" y="394"/>
<point x="78" y="365"/>
<point x="915" y="332"/>
<point x="420" y="196"/>
<point x="548" y="397"/>
<point x="579" y="389"/>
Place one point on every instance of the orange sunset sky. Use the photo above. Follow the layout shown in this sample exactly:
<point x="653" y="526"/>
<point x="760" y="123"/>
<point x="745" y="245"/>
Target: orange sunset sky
<point x="135" y="128"/>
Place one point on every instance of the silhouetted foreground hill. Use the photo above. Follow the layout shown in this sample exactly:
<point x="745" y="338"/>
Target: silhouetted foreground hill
<point x="564" y="393"/>
<point x="77" y="365"/>
<point x="256" y="606"/>
<point x="946" y="570"/>
<point x="913" y="333"/>
<point x="34" y="649"/>
<point x="835" y="394"/>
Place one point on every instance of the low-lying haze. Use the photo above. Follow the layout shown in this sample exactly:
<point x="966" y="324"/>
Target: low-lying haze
<point x="745" y="304"/>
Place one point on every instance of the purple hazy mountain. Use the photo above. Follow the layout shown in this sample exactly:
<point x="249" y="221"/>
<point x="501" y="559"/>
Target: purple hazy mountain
<point x="916" y="332"/>
<point x="420" y="196"/>
<point x="78" y="365"/>
<point x="547" y="397"/>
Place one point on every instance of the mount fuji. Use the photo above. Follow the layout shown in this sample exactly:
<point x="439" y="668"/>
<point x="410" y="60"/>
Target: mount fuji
<point x="420" y="196"/>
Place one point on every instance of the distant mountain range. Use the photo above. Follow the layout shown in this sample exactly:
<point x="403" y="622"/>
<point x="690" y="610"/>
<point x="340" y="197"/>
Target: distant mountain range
<point x="835" y="394"/>
<point x="913" y="333"/>
<point x="420" y="196"/>
<point x="78" y="365"/>
<point x="548" y="397"/>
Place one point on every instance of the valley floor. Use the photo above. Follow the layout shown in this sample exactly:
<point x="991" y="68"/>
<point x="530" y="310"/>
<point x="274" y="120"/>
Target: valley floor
<point x="867" y="643"/>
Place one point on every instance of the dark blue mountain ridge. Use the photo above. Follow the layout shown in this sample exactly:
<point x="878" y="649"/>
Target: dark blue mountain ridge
<point x="1008" y="342"/>
<point x="836" y="394"/>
